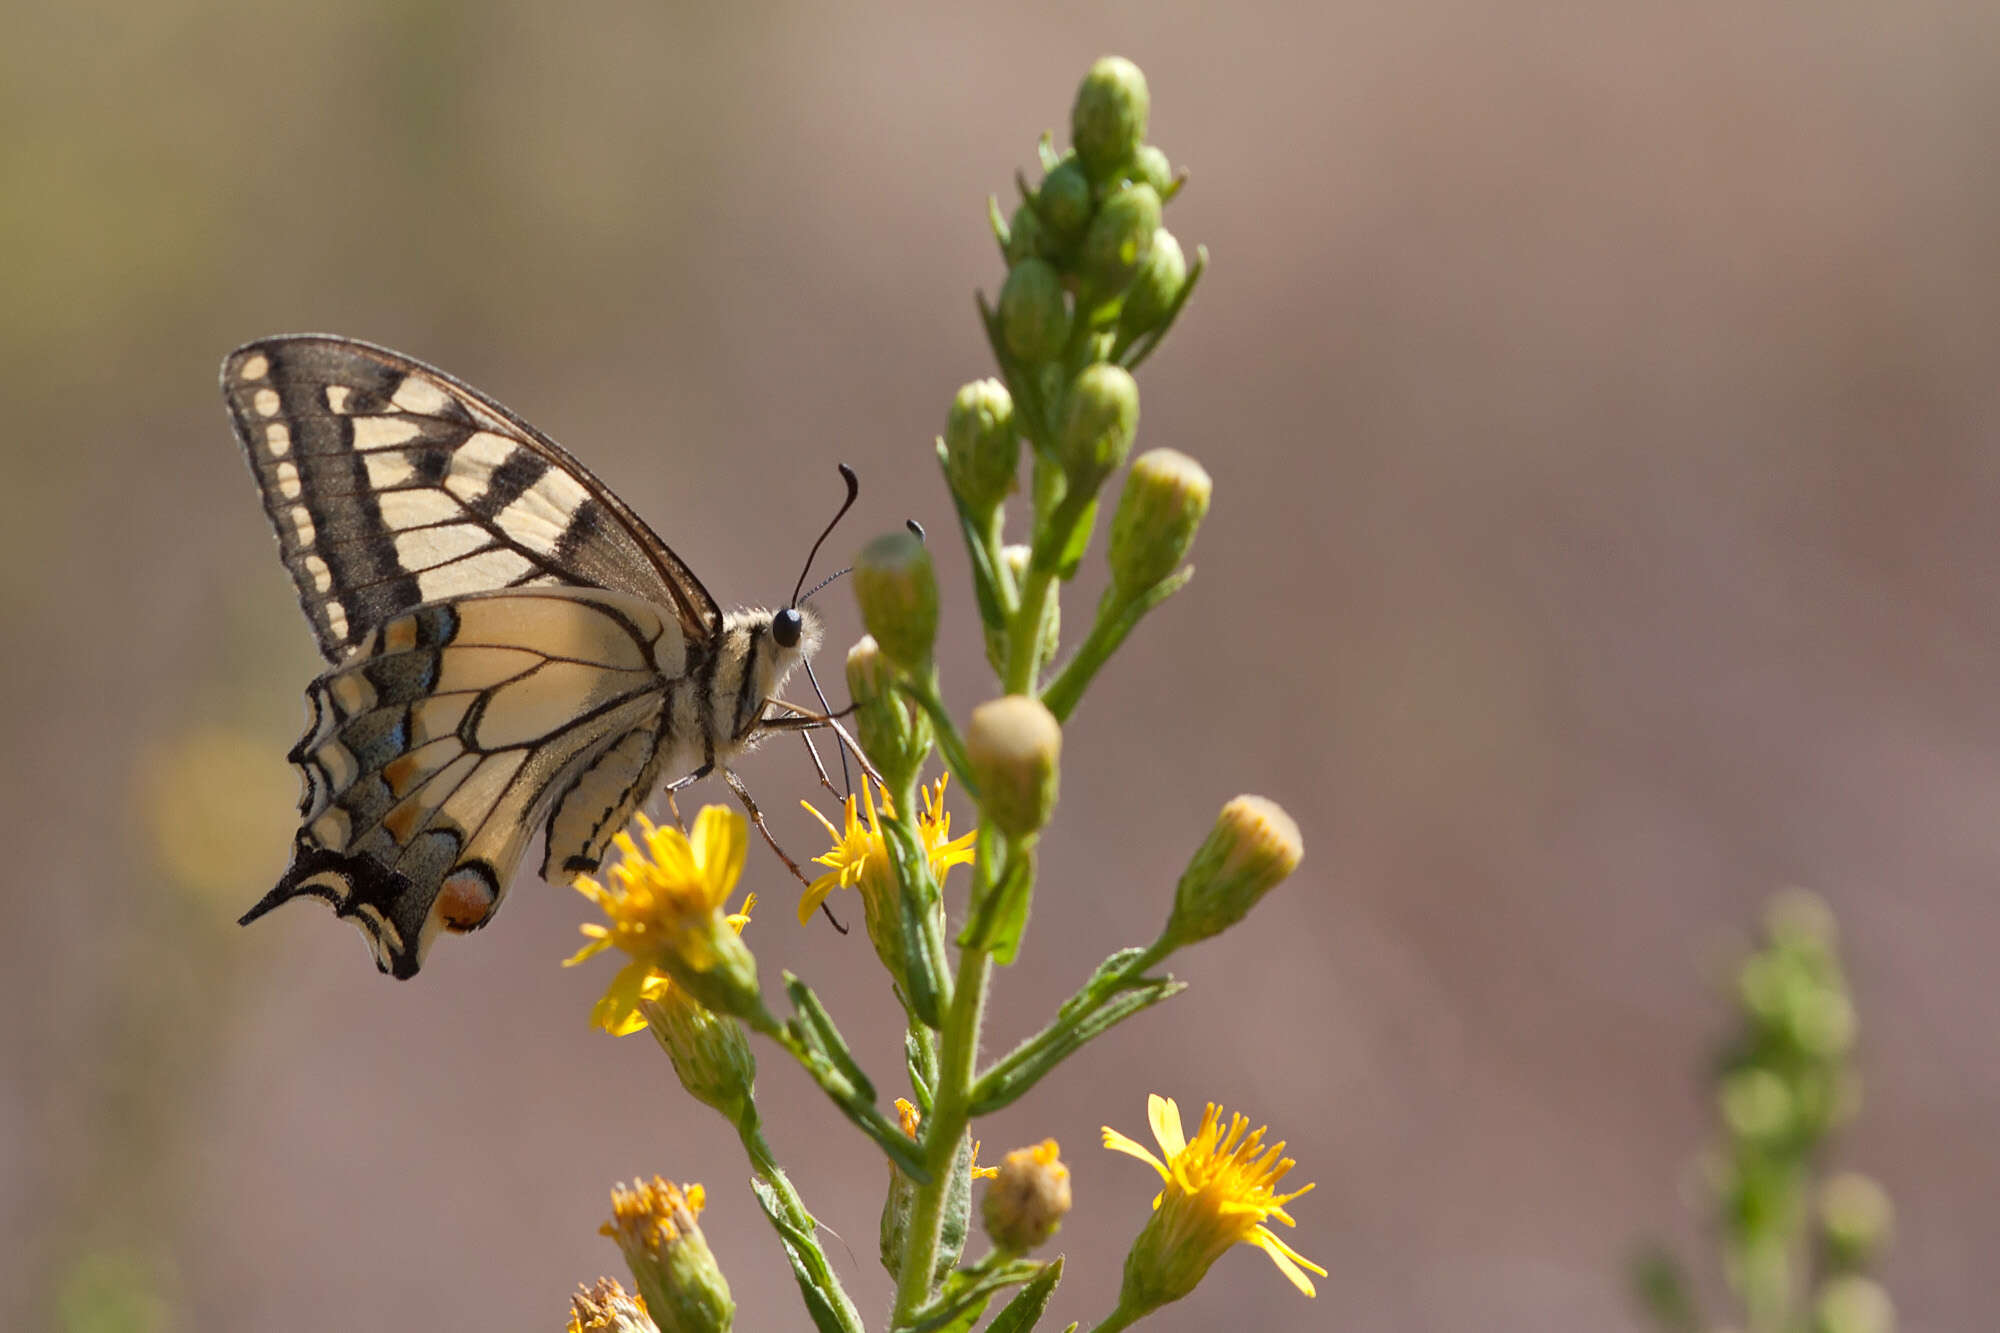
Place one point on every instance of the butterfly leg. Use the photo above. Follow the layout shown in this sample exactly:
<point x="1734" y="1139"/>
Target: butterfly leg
<point x="673" y="806"/>
<point x="757" y="818"/>
<point x="803" y="719"/>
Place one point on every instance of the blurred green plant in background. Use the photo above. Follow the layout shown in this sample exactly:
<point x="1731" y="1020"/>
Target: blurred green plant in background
<point x="1796" y="1244"/>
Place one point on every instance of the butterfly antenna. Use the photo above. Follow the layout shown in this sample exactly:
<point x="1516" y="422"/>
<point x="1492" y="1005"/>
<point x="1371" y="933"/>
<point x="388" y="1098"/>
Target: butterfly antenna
<point x="853" y="491"/>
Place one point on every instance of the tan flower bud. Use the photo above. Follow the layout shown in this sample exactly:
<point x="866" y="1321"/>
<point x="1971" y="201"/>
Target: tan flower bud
<point x="1014" y="744"/>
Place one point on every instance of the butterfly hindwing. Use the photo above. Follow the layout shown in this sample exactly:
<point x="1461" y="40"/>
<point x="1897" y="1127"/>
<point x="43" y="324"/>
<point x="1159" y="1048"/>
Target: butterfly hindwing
<point x="439" y="741"/>
<point x="392" y="484"/>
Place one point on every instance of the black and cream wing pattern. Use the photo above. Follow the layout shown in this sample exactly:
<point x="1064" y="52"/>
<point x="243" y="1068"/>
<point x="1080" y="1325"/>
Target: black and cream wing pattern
<point x="504" y="637"/>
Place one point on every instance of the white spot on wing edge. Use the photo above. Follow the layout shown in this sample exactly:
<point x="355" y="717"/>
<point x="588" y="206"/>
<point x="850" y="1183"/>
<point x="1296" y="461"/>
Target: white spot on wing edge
<point x="278" y="439"/>
<point x="255" y="367"/>
<point x="302" y="525"/>
<point x="266" y="402"/>
<point x="419" y="395"/>
<point x="322" y="577"/>
<point x="288" y="481"/>
<point x="336" y="619"/>
<point x="337" y="396"/>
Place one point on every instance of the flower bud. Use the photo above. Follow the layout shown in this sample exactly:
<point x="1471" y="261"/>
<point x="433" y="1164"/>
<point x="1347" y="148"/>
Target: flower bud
<point x="1756" y="1105"/>
<point x="1149" y="166"/>
<point x="1108" y="121"/>
<point x="1151" y="297"/>
<point x="1252" y="848"/>
<point x="1013" y="746"/>
<point x="892" y="731"/>
<point x="1026" y="1203"/>
<point x="1100" y="417"/>
<point x="1034" y="321"/>
<point x="1120" y="239"/>
<point x="1853" y="1304"/>
<point x="710" y="1055"/>
<point x="1855" y="1218"/>
<point x="683" y="1287"/>
<point x="897" y="590"/>
<point x="1166" y="496"/>
<point x="981" y="447"/>
<point x="607" y="1308"/>
<point x="1064" y="201"/>
<point x="1027" y="237"/>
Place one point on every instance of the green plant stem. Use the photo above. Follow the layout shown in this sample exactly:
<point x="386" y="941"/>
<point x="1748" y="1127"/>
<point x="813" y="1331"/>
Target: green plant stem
<point x="1120" y="1318"/>
<point x="1116" y="618"/>
<point x="1024" y="645"/>
<point x="943" y="1129"/>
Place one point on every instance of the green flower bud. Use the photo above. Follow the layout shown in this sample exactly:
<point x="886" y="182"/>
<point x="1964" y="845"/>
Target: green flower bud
<point x="1853" y="1305"/>
<point x="607" y="1308"/>
<point x="892" y="731"/>
<point x="1856" y="1218"/>
<point x="1108" y="122"/>
<point x="710" y="1055"/>
<point x="1013" y="745"/>
<point x="1165" y="499"/>
<point x="981" y="447"/>
<point x="1151" y="297"/>
<point x="897" y="590"/>
<point x="1034" y="319"/>
<point x="1027" y="237"/>
<point x="1253" y="847"/>
<point x="1064" y="201"/>
<point x="1100" y="416"/>
<point x="1149" y="166"/>
<point x="683" y="1287"/>
<point x="1028" y="1200"/>
<point x="1756" y="1105"/>
<point x="1120" y="239"/>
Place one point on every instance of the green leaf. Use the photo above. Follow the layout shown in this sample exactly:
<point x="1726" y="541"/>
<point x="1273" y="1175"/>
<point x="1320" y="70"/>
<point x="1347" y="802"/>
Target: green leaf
<point x="967" y="1291"/>
<point x="1002" y="908"/>
<point x="923" y="959"/>
<point x="826" y="1302"/>
<point x="826" y="1037"/>
<point x="1112" y="995"/>
<point x="1025" y="1311"/>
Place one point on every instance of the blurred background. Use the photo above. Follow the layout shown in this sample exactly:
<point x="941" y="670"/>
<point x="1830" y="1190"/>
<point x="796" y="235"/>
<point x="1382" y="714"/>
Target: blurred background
<point x="1603" y="410"/>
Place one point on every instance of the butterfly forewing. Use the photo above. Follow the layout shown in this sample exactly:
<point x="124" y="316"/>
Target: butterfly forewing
<point x="391" y="484"/>
<point x="438" y="744"/>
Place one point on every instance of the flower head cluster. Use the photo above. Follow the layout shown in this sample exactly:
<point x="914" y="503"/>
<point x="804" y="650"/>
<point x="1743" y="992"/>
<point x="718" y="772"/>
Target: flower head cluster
<point x="1221" y="1187"/>
<point x="663" y="909"/>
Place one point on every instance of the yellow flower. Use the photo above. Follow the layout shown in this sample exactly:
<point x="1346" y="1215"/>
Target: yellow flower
<point x="858" y="858"/>
<point x="1221" y="1188"/>
<point x="664" y="910"/>
<point x="654" y="1224"/>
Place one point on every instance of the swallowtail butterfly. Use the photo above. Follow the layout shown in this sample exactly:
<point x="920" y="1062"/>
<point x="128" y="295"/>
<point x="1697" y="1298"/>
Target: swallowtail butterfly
<point x="509" y="646"/>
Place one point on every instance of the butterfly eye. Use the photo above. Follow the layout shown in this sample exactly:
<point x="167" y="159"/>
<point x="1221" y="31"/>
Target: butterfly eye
<point x="786" y="627"/>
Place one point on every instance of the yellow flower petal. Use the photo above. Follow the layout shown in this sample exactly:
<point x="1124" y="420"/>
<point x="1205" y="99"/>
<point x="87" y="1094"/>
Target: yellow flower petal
<point x="720" y="843"/>
<point x="1133" y="1148"/>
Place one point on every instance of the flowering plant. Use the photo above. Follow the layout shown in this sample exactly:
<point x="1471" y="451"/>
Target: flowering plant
<point x="1094" y="282"/>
